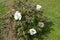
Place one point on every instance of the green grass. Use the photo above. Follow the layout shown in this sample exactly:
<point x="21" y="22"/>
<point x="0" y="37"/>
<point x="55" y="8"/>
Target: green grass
<point x="51" y="11"/>
<point x="3" y="9"/>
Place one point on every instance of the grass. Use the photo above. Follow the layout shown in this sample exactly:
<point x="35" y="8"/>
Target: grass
<point x="3" y="9"/>
<point x="51" y="11"/>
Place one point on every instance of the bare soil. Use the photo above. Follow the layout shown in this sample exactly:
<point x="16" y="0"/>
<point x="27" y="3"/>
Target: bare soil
<point x="8" y="33"/>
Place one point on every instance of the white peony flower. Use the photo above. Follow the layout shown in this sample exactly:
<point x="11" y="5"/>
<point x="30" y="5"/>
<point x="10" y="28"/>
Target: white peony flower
<point x="38" y="7"/>
<point x="17" y="15"/>
<point x="41" y="24"/>
<point x="32" y="31"/>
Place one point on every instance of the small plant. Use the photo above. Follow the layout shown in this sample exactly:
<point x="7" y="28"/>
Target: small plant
<point x="28" y="21"/>
<point x="31" y="18"/>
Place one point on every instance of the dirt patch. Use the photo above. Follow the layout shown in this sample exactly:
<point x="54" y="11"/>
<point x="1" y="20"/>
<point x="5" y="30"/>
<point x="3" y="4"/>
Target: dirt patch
<point x="8" y="33"/>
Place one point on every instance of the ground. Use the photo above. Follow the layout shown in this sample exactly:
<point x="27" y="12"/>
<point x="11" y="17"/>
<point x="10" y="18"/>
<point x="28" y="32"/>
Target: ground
<point x="52" y="12"/>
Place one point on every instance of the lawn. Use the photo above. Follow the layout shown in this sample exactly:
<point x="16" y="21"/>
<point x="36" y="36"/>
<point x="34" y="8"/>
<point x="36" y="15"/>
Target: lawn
<point x="51" y="11"/>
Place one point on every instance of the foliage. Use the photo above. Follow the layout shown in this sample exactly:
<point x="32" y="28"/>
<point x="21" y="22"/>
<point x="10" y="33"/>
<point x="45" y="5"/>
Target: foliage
<point x="30" y="19"/>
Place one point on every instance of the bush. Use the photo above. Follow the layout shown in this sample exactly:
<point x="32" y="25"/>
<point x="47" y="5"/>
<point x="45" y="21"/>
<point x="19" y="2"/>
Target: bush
<point x="30" y="19"/>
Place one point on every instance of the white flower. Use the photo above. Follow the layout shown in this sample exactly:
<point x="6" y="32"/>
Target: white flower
<point x="41" y="24"/>
<point x="17" y="15"/>
<point x="32" y="31"/>
<point x="38" y="7"/>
